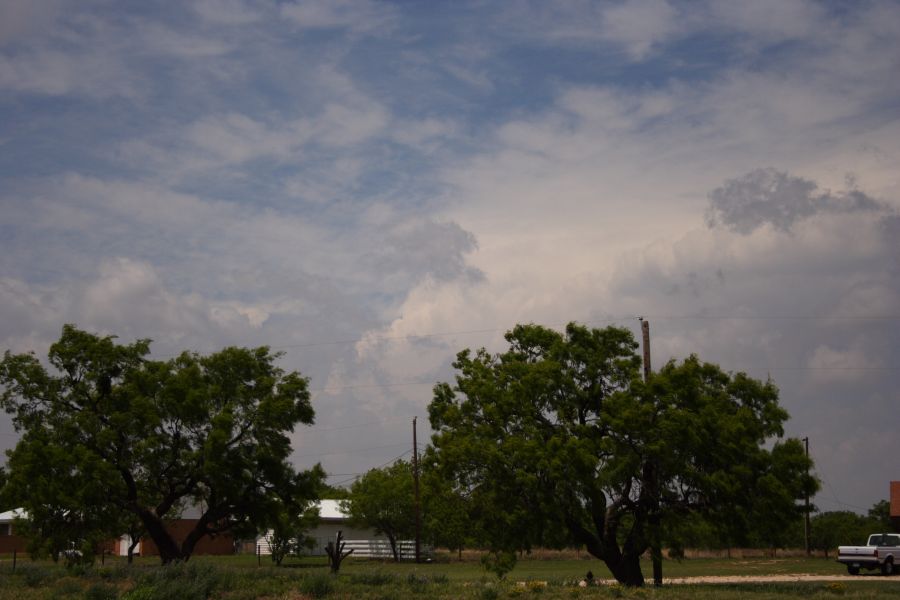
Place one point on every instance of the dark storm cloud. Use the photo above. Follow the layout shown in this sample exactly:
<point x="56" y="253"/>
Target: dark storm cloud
<point x="746" y="203"/>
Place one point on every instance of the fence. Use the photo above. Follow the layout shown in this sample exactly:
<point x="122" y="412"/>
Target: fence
<point x="361" y="548"/>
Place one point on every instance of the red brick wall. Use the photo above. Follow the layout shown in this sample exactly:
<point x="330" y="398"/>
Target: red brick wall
<point x="895" y="499"/>
<point x="8" y="543"/>
<point x="179" y="529"/>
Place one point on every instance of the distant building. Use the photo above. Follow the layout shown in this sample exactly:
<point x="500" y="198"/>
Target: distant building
<point x="363" y="540"/>
<point x="9" y="541"/>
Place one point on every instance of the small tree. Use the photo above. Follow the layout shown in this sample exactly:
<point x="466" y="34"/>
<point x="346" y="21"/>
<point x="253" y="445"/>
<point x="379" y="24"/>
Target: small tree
<point x="383" y="499"/>
<point x="287" y="535"/>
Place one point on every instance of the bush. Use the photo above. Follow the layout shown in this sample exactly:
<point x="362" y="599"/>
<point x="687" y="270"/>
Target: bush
<point x="499" y="562"/>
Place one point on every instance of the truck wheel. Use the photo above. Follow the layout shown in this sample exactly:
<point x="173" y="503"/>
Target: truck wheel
<point x="853" y="570"/>
<point x="887" y="567"/>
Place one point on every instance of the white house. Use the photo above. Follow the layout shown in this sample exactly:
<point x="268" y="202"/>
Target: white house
<point x="364" y="541"/>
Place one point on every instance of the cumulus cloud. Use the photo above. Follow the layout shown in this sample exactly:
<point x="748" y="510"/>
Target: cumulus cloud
<point x="779" y="199"/>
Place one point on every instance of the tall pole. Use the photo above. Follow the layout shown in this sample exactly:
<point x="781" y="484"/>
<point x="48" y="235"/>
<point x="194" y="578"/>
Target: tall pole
<point x="645" y="331"/>
<point x="806" y="528"/>
<point x="655" y="542"/>
<point x="416" y="488"/>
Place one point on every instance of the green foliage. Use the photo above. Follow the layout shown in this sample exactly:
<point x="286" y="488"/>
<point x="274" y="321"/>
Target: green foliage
<point x="124" y="438"/>
<point x="499" y="562"/>
<point x="318" y="585"/>
<point x="178" y="581"/>
<point x="829" y="530"/>
<point x="373" y="578"/>
<point x="879" y="517"/>
<point x="447" y="514"/>
<point x="101" y="591"/>
<point x="384" y="500"/>
<point x="289" y="524"/>
<point x="558" y="440"/>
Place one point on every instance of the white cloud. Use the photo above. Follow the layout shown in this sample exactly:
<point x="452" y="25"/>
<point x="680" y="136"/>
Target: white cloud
<point x="56" y="73"/>
<point x="639" y="25"/>
<point x="772" y="20"/>
<point x="847" y="365"/>
<point x="228" y="12"/>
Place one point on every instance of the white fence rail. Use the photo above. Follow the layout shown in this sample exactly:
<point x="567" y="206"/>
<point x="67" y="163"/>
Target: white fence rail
<point x="361" y="548"/>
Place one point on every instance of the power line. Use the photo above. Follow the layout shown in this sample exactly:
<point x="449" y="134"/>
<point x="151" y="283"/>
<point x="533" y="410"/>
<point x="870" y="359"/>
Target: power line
<point x="615" y="319"/>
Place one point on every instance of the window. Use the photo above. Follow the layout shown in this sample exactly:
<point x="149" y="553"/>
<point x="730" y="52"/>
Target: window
<point x="5" y="529"/>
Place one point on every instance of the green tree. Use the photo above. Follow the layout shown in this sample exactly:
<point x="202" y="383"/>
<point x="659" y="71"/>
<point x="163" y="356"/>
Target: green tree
<point x="829" y="530"/>
<point x="446" y="517"/>
<point x="560" y="434"/>
<point x="288" y="527"/>
<point x="384" y="500"/>
<point x="879" y="517"/>
<point x="125" y="435"/>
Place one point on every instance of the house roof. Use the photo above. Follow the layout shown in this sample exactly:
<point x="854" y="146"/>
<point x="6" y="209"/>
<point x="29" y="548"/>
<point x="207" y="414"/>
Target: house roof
<point x="331" y="509"/>
<point x="10" y="515"/>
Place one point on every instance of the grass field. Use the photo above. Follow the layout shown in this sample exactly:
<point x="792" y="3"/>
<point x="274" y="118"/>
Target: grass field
<point x="240" y="578"/>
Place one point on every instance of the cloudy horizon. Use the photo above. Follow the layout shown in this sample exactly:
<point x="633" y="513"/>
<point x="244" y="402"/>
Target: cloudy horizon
<point x="371" y="186"/>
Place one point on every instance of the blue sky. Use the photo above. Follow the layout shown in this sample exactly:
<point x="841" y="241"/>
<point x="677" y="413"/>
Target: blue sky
<point x="372" y="186"/>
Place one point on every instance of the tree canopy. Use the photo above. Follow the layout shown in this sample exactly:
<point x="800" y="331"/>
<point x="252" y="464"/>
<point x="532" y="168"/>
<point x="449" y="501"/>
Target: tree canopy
<point x="124" y="435"/>
<point x="559" y="440"/>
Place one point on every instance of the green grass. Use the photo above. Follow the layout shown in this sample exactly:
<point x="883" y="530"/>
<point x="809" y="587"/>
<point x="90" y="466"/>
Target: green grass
<point x="239" y="578"/>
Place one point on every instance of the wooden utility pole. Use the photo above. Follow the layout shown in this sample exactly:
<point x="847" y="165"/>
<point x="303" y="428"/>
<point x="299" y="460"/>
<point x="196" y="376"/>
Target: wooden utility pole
<point x="645" y="331"/>
<point x="417" y="506"/>
<point x="655" y="542"/>
<point x="806" y="529"/>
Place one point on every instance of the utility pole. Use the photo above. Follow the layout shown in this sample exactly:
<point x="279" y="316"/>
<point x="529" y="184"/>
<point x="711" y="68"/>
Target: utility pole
<point x="645" y="331"/>
<point x="417" y="505"/>
<point x="655" y="542"/>
<point x="806" y="529"/>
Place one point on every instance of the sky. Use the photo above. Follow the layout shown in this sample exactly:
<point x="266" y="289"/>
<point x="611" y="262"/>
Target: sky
<point x="370" y="187"/>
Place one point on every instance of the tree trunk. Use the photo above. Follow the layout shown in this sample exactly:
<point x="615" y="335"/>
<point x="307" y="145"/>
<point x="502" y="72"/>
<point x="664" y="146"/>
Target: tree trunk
<point x="133" y="541"/>
<point x="627" y="570"/>
<point x="393" y="540"/>
<point x="165" y="544"/>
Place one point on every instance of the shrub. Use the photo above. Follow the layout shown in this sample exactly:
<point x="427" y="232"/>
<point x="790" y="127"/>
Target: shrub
<point x="499" y="562"/>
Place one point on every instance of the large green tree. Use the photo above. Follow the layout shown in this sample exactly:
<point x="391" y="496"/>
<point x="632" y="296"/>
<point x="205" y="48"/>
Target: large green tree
<point x="384" y="500"/>
<point x="106" y="431"/>
<point x="560" y="436"/>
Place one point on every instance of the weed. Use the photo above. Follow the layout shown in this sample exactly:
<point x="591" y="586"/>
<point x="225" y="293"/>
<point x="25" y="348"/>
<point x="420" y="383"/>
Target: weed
<point x="317" y="586"/>
<point x="100" y="591"/>
<point x="179" y="581"/>
<point x="373" y="578"/>
<point x="489" y="593"/>
<point x="836" y="587"/>
<point x="34" y="576"/>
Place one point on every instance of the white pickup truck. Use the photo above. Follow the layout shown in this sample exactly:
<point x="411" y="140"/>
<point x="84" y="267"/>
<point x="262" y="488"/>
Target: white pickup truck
<point x="882" y="551"/>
